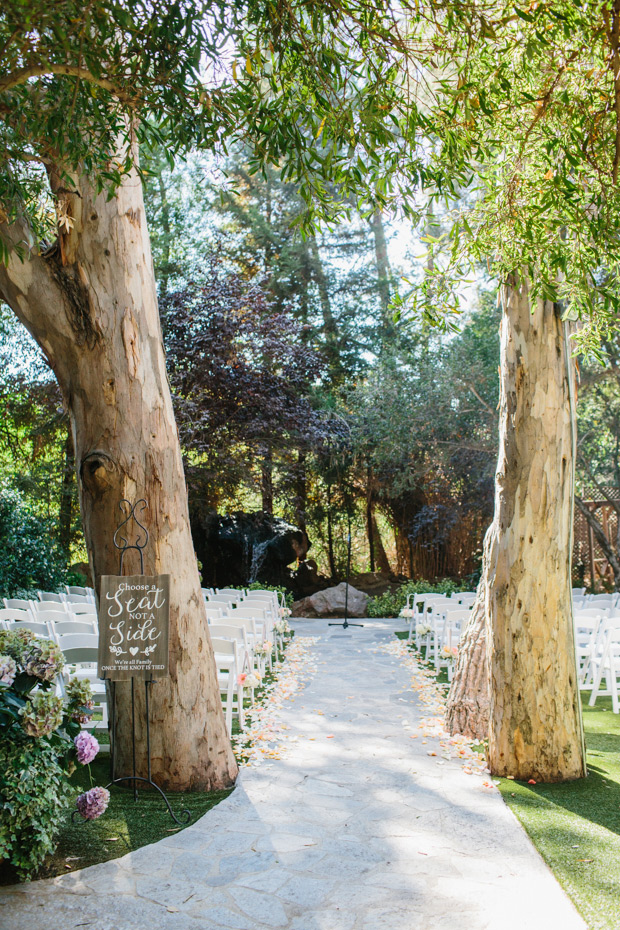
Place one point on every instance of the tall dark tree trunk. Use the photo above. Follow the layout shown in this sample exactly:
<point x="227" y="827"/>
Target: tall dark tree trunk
<point x="369" y="516"/>
<point x="301" y="492"/>
<point x="383" y="562"/>
<point x="165" y="223"/>
<point x="266" y="484"/>
<point x="91" y="305"/>
<point x="330" y="537"/>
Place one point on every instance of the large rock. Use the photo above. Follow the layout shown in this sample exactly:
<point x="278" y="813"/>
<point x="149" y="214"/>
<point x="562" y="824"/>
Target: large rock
<point x="331" y="603"/>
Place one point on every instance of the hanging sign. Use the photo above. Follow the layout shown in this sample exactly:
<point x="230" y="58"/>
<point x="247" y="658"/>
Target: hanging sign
<point x="134" y="620"/>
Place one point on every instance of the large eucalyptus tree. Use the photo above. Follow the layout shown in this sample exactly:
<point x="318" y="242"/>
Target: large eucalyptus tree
<point x="82" y="85"/>
<point x="529" y="105"/>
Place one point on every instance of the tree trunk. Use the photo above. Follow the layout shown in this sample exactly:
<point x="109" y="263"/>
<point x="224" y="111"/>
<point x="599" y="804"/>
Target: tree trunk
<point x="266" y="481"/>
<point x="369" y="516"/>
<point x="91" y="305"/>
<point x="301" y="490"/>
<point x="535" y="713"/>
<point x="380" y="553"/>
<point x="467" y="709"/>
<point x="330" y="329"/>
<point x="384" y="276"/>
<point x="65" y="512"/>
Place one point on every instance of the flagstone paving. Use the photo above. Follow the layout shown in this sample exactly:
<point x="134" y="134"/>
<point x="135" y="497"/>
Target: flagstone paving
<point x="357" y="827"/>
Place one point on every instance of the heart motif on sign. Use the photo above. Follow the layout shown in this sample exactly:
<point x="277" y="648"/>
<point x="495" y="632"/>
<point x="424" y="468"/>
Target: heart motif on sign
<point x="133" y="650"/>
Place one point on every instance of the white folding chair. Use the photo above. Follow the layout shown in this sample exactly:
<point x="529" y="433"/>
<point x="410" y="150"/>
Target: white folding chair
<point x="214" y="612"/>
<point x="235" y="594"/>
<point x="454" y="619"/>
<point x="14" y="613"/>
<point x="41" y="628"/>
<point x="227" y="663"/>
<point x="73" y="627"/>
<point x="586" y="633"/>
<point x="19" y="603"/>
<point x="252" y="636"/>
<point x="606" y="662"/>
<point x="264" y="626"/>
<point x="79" y="599"/>
<point x="51" y="597"/>
<point x="50" y="615"/>
<point x="79" y="589"/>
<point x="81" y="652"/>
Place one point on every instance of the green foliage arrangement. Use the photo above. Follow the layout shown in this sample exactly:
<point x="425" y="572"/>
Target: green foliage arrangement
<point x="29" y="555"/>
<point x="40" y="742"/>
<point x="391" y="603"/>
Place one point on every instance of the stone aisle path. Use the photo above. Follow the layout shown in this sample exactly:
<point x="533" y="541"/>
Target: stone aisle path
<point x="357" y="828"/>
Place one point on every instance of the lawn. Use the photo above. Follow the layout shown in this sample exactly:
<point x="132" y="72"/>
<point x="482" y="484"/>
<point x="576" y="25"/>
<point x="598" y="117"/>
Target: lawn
<point x="576" y="825"/>
<point x="126" y="825"/>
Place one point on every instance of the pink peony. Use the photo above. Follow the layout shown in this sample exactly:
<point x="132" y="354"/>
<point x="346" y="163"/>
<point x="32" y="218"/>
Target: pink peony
<point x="87" y="747"/>
<point x="93" y="803"/>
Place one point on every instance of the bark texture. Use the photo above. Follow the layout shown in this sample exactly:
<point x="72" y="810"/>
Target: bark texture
<point x="468" y="704"/>
<point x="535" y="714"/>
<point x="90" y="303"/>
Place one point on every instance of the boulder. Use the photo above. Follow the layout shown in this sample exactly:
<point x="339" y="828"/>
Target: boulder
<point x="331" y="602"/>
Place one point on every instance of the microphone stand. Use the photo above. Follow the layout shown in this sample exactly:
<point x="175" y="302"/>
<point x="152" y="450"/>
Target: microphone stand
<point x="346" y="624"/>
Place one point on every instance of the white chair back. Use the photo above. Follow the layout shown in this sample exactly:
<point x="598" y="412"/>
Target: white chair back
<point x="18" y="602"/>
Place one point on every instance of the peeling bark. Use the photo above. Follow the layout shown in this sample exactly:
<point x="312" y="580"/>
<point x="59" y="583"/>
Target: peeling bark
<point x="535" y="713"/>
<point x="516" y="676"/>
<point x="91" y="305"/>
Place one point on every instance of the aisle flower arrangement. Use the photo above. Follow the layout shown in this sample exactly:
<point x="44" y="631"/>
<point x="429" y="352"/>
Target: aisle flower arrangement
<point x="41" y="741"/>
<point x="432" y="727"/>
<point x="265" y="737"/>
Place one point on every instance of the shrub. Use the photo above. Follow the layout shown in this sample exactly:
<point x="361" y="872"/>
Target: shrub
<point x="40" y="741"/>
<point x="29" y="556"/>
<point x="391" y="603"/>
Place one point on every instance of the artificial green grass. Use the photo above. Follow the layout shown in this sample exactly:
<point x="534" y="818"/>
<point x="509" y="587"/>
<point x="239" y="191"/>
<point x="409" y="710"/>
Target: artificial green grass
<point x="576" y="825"/>
<point x="126" y="824"/>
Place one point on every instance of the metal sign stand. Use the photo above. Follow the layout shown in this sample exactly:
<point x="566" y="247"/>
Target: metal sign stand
<point x="123" y="545"/>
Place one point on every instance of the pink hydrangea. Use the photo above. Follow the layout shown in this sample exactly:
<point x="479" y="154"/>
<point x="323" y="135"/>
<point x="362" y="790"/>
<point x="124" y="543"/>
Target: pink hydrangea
<point x="8" y="670"/>
<point x="93" y="803"/>
<point x="87" y="747"/>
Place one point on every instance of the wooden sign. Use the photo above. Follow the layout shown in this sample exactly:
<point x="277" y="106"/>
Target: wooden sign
<point x="134" y="620"/>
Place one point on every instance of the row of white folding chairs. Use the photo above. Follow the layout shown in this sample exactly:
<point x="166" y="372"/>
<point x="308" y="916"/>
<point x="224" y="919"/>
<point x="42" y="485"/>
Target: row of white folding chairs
<point x="34" y="608"/>
<point x="440" y="633"/>
<point x="422" y="604"/>
<point x="52" y="628"/>
<point x="602" y="661"/>
<point x="604" y="601"/>
<point x="264" y="608"/>
<point x="249" y="633"/>
<point x="229" y="662"/>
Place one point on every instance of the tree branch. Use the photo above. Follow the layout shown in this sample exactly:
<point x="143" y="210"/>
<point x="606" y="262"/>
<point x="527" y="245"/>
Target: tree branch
<point x="24" y="74"/>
